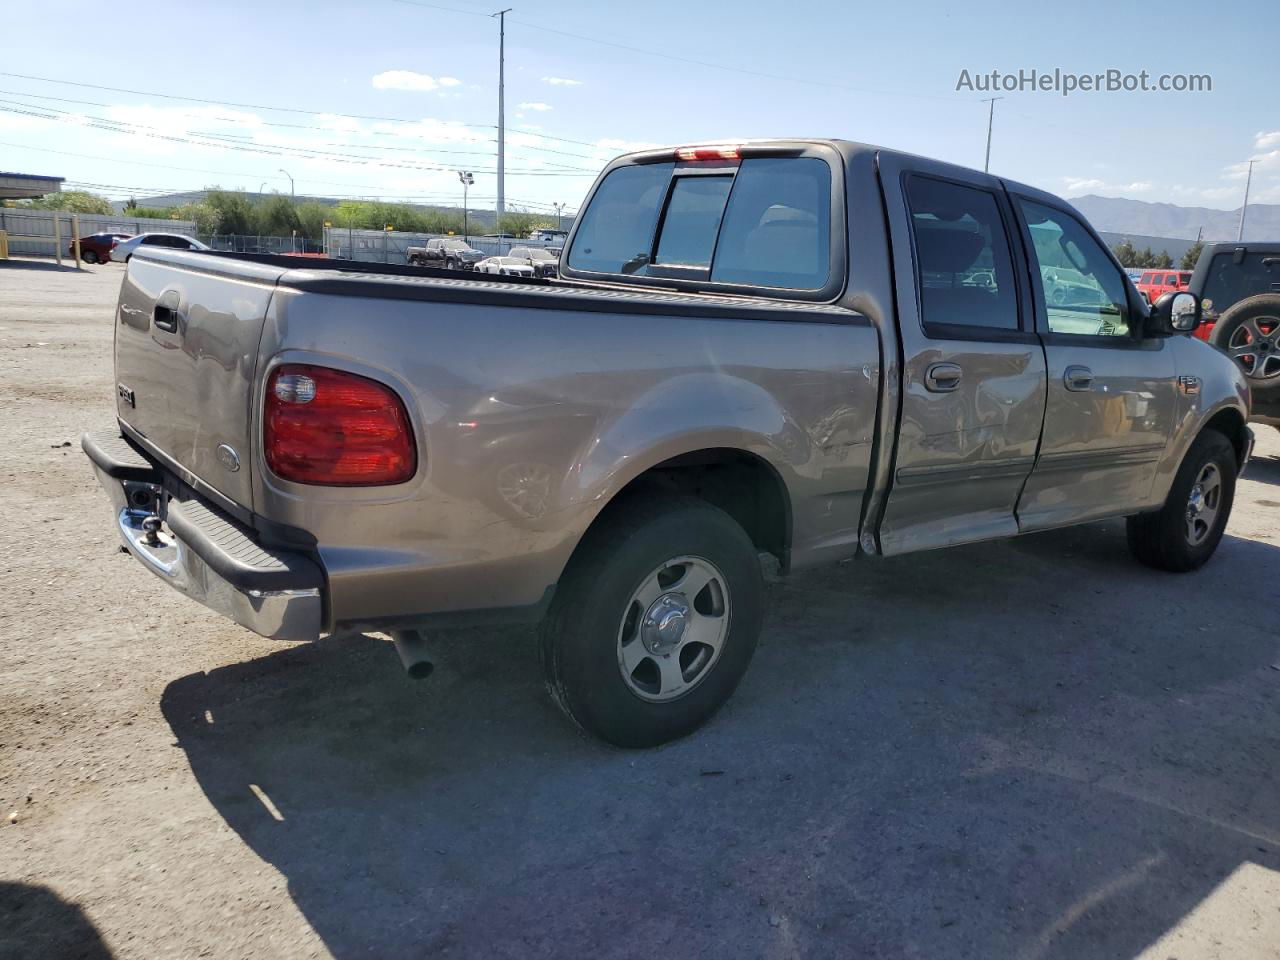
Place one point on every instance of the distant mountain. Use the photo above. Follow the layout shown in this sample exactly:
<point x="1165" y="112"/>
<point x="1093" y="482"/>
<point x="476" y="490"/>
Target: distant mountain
<point x="1139" y="218"/>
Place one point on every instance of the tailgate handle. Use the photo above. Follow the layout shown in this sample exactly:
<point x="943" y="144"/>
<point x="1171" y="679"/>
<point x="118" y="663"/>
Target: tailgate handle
<point x="165" y="314"/>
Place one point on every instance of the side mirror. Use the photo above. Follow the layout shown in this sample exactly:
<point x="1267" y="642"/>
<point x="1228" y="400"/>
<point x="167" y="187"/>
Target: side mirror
<point x="1173" y="313"/>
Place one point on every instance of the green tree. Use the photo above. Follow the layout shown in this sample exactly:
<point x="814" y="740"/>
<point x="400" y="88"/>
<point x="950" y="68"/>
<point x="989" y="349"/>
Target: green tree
<point x="312" y="216"/>
<point x="71" y="201"/>
<point x="1163" y="261"/>
<point x="277" y="216"/>
<point x="1192" y="255"/>
<point x="521" y="223"/>
<point x="1125" y="253"/>
<point x="233" y="212"/>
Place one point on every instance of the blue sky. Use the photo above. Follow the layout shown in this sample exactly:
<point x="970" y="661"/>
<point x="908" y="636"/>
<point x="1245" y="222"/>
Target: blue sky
<point x="884" y="73"/>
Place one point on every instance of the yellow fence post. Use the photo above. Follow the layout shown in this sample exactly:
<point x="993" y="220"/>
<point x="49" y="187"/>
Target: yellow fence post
<point x="4" y="244"/>
<point x="75" y="237"/>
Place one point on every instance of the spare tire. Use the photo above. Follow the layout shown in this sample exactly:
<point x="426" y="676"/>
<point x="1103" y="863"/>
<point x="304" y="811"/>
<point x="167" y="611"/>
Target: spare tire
<point x="1249" y="333"/>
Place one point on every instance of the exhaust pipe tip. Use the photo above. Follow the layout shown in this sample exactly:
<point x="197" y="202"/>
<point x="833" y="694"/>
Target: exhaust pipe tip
<point x="420" y="670"/>
<point x="415" y="653"/>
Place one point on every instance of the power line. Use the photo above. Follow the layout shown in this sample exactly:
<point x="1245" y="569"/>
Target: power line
<point x="746" y="71"/>
<point x="306" y="126"/>
<point x="216" y="173"/>
<point x="276" y="109"/>
<point x="216" y="141"/>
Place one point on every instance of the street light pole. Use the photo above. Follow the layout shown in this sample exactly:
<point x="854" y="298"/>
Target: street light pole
<point x="287" y="174"/>
<point x="467" y="179"/>
<point x="559" y="208"/>
<point x="502" y="131"/>
<point x="991" y="115"/>
<point x="1245" y="209"/>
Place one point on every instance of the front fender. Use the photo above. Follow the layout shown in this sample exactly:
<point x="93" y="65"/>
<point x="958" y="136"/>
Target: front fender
<point x="1222" y="387"/>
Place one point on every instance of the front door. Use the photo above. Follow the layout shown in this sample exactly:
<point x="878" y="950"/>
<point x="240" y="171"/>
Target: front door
<point x="1112" y="392"/>
<point x="973" y="372"/>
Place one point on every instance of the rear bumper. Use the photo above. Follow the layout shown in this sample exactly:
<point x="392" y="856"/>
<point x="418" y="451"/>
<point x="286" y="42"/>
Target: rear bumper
<point x="203" y="553"/>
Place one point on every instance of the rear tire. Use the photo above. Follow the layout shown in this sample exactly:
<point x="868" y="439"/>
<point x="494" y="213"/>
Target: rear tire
<point x="1185" y="532"/>
<point x="89" y="256"/>
<point x="630" y="667"/>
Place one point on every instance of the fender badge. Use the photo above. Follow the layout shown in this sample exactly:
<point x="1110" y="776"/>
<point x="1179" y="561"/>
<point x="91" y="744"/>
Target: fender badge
<point x="228" y="457"/>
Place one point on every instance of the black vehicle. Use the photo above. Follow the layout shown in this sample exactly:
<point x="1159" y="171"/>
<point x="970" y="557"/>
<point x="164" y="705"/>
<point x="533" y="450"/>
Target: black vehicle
<point x="545" y="263"/>
<point x="1239" y="287"/>
<point x="451" y="253"/>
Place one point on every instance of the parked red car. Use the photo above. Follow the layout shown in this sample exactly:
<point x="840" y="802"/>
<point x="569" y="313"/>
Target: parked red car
<point x="97" y="247"/>
<point x="1156" y="283"/>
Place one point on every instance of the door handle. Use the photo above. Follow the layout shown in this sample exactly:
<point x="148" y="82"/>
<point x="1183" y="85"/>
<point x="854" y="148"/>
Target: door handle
<point x="165" y="314"/>
<point x="942" y="377"/>
<point x="1077" y="378"/>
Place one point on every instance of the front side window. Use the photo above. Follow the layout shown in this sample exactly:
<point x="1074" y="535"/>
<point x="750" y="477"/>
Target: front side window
<point x="1082" y="291"/>
<point x="962" y="256"/>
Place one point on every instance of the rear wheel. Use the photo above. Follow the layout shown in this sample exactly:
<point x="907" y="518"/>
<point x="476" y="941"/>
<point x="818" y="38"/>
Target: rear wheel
<point x="1185" y="532"/>
<point x="1249" y="333"/>
<point x="655" y="621"/>
<point x="89" y="256"/>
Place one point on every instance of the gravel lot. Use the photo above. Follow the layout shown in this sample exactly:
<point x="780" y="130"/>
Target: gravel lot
<point x="1026" y="749"/>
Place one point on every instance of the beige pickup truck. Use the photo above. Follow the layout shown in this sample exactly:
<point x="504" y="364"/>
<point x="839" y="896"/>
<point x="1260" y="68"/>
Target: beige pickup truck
<point x="814" y="349"/>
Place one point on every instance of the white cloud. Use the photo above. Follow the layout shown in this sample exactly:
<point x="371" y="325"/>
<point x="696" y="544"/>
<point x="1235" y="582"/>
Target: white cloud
<point x="406" y="80"/>
<point x="1264" y="141"/>
<point x="562" y="82"/>
<point x="449" y="81"/>
<point x="1094" y="185"/>
<point x="540" y="107"/>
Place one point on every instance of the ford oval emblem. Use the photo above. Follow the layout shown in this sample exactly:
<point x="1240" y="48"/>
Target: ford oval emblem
<point x="228" y="457"/>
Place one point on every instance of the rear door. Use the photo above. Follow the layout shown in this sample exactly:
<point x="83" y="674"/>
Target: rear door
<point x="186" y="347"/>
<point x="973" y="369"/>
<point x="1112" y="392"/>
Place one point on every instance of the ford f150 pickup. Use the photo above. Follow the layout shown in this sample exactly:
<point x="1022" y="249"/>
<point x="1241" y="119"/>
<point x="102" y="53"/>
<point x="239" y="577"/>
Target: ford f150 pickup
<point x="807" y="348"/>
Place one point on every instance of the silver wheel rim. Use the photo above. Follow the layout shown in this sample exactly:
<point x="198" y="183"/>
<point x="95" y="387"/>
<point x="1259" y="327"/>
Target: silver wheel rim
<point x="1203" y="504"/>
<point x="1255" y="345"/>
<point x="673" y="629"/>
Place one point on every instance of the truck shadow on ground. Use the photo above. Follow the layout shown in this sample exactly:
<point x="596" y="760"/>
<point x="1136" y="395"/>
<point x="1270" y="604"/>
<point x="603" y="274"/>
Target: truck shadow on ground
<point x="36" y="922"/>
<point x="1033" y="748"/>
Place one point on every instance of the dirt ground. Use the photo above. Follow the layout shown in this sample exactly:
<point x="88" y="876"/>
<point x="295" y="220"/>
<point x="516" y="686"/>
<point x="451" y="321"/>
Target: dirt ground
<point x="1025" y="749"/>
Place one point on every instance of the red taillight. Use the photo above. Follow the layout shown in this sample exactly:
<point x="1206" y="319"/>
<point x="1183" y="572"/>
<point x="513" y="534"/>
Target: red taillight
<point x="329" y="427"/>
<point x="728" y="151"/>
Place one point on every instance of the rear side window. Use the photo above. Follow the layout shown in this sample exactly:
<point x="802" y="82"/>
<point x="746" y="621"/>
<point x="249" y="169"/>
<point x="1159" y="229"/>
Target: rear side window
<point x="766" y="224"/>
<point x="962" y="256"/>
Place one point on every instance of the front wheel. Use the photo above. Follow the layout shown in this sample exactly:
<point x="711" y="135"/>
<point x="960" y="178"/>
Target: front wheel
<point x="654" y="622"/>
<point x="1183" y="534"/>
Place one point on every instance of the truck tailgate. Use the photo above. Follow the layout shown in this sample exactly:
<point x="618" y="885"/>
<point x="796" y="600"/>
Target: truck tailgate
<point x="186" y="346"/>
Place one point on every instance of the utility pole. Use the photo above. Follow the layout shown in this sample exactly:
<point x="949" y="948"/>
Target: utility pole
<point x="502" y="123"/>
<point x="467" y="180"/>
<point x="991" y="115"/>
<point x="559" y="209"/>
<point x="1245" y="209"/>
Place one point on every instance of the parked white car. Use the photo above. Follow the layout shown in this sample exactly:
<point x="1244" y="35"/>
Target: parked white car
<point x="125" y="249"/>
<point x="506" y="266"/>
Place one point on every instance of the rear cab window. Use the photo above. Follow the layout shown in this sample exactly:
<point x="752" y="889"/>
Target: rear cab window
<point x="758" y="223"/>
